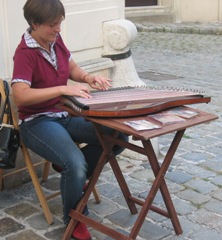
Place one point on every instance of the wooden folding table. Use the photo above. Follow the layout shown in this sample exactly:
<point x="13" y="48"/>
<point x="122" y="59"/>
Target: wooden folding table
<point x="158" y="169"/>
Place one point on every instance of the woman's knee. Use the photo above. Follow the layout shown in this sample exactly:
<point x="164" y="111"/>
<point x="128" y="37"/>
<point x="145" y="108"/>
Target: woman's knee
<point x="76" y="166"/>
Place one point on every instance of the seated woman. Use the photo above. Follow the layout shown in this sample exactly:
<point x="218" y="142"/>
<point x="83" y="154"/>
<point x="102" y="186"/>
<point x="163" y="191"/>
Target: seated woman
<point x="42" y="67"/>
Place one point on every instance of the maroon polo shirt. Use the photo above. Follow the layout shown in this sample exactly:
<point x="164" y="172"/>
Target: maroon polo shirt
<point x="31" y="65"/>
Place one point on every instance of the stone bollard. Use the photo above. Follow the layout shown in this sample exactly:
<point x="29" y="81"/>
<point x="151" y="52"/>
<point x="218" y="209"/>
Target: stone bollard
<point x="118" y="35"/>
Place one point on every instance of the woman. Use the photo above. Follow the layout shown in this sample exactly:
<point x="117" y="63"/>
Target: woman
<point x="42" y="66"/>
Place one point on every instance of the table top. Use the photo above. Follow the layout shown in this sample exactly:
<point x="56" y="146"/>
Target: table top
<point x="118" y="123"/>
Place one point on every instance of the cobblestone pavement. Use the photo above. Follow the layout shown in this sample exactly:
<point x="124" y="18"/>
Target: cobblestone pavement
<point x="162" y="58"/>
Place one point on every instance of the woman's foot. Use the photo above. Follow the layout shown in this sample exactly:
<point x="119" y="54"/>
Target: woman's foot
<point x="81" y="232"/>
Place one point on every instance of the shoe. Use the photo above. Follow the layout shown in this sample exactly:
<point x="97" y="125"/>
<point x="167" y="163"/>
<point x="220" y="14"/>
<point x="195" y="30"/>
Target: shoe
<point x="81" y="232"/>
<point x="57" y="168"/>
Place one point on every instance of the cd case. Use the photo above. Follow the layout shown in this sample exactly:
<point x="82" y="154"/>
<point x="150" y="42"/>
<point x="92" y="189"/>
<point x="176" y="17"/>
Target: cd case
<point x="166" y="118"/>
<point x="141" y="125"/>
<point x="183" y="112"/>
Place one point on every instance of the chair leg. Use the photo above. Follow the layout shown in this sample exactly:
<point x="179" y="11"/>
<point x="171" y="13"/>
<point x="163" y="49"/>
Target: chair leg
<point x="96" y="195"/>
<point x="46" y="169"/>
<point x="1" y="179"/>
<point x="37" y="185"/>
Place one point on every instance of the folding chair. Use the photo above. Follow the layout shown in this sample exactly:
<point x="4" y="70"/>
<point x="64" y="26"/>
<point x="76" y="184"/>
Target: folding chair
<point x="31" y="167"/>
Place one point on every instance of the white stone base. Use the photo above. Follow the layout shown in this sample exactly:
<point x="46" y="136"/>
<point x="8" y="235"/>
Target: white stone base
<point x="100" y="66"/>
<point x="124" y="74"/>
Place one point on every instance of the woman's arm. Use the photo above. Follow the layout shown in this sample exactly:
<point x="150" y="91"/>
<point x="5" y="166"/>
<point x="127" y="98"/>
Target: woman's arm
<point x="24" y="95"/>
<point x="79" y="75"/>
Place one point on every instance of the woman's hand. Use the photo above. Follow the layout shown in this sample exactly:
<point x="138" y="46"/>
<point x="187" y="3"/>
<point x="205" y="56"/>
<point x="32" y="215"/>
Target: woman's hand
<point x="79" y="75"/>
<point x="77" y="90"/>
<point x="98" y="82"/>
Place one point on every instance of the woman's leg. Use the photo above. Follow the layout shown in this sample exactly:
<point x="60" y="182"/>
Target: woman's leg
<point x="48" y="138"/>
<point x="83" y="131"/>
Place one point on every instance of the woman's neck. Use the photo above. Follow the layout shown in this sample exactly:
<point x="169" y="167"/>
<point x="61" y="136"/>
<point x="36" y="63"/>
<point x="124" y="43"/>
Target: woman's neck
<point x="44" y="44"/>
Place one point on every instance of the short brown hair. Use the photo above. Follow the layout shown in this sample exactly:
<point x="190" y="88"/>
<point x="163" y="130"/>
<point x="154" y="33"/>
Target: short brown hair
<point x="43" y="11"/>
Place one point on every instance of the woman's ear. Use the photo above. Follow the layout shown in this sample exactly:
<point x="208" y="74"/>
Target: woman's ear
<point x="34" y="26"/>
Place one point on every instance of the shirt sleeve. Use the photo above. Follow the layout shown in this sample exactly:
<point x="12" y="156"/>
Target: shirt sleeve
<point x="24" y="63"/>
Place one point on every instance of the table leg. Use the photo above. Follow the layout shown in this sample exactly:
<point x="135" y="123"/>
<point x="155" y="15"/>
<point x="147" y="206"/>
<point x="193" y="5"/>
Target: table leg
<point x="107" y="147"/>
<point x="80" y="207"/>
<point x="76" y="214"/>
<point x="159" y="183"/>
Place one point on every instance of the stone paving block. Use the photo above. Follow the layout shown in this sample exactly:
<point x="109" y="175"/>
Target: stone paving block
<point x="217" y="31"/>
<point x="168" y="29"/>
<point x="206" y="31"/>
<point x="174" y="187"/>
<point x="94" y="216"/>
<point x="26" y="235"/>
<point x="164" y="150"/>
<point x="9" y="226"/>
<point x="185" y="30"/>
<point x="136" y="186"/>
<point x="217" y="194"/>
<point x="55" y="205"/>
<point x="120" y="200"/>
<point x="198" y="171"/>
<point x="195" y="157"/>
<point x="22" y="210"/>
<point x="153" y="231"/>
<point x="215" y="166"/>
<point x="215" y="150"/>
<point x="107" y="176"/>
<point x="165" y="140"/>
<point x="38" y="222"/>
<point x="55" y="234"/>
<point x="206" y="234"/>
<point x="201" y="186"/>
<point x="122" y="218"/>
<point x="143" y="175"/>
<point x="178" y="177"/>
<point x="175" y="237"/>
<point x="26" y="192"/>
<point x="209" y="141"/>
<point x="53" y="183"/>
<point x="99" y="236"/>
<point x="105" y="207"/>
<point x="217" y="180"/>
<point x="214" y="206"/>
<point x="151" y="29"/>
<point x="194" y="197"/>
<point x="125" y="165"/>
<point x="208" y="219"/>
<point x="110" y="191"/>
<point x="7" y="199"/>
<point x="183" y="207"/>
<point x="155" y="217"/>
<point x="157" y="200"/>
<point x="188" y="227"/>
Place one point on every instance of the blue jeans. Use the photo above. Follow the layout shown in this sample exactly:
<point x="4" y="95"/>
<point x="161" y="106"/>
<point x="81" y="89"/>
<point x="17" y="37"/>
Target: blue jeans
<point x="54" y="139"/>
